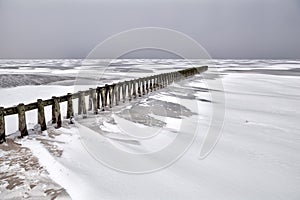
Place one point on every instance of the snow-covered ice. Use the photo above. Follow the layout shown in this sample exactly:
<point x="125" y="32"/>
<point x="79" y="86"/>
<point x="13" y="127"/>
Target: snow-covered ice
<point x="257" y="156"/>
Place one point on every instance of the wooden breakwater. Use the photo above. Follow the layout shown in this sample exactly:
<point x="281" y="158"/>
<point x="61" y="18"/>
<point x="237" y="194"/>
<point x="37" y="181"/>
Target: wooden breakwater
<point x="99" y="99"/>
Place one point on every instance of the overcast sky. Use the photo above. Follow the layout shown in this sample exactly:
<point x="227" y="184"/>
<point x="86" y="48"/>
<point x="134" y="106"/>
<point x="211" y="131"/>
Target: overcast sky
<point x="226" y="28"/>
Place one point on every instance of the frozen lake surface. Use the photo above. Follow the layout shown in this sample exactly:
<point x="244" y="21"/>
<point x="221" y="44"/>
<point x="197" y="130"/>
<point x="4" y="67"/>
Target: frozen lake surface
<point x="257" y="156"/>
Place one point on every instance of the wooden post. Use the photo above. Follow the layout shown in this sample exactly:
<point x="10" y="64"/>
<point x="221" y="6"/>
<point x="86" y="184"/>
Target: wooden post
<point x="173" y="77"/>
<point x="70" y="112"/>
<point x="165" y="80"/>
<point x="124" y="91"/>
<point x="147" y="85"/>
<point x="129" y="88"/>
<point x="94" y="98"/>
<point x="169" y="78"/>
<point x="113" y="92"/>
<point x="119" y="92"/>
<point x="102" y="92"/>
<point x="110" y="93"/>
<point x="134" y="88"/>
<point x="106" y="94"/>
<point x="56" y="116"/>
<point x="22" y="119"/>
<point x="79" y="103"/>
<point x="90" y="99"/>
<point x="82" y="105"/>
<point x="143" y="86"/>
<point x="159" y="81"/>
<point x="151" y="84"/>
<point x="162" y="81"/>
<point x="2" y="126"/>
<point x="41" y="115"/>
<point x="98" y="97"/>
<point x="139" y="87"/>
<point x="154" y="82"/>
<point x="116" y="91"/>
<point x="158" y="85"/>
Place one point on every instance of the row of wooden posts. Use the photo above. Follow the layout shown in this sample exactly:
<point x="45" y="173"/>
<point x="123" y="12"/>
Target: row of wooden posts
<point x="99" y="99"/>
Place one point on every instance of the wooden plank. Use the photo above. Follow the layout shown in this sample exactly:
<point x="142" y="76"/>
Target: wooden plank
<point x="48" y="102"/>
<point x="31" y="106"/>
<point x="2" y="126"/>
<point x="10" y="111"/>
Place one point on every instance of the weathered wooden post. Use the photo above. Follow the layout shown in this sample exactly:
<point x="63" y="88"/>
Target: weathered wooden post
<point x="129" y="87"/>
<point x="110" y="93"/>
<point x="106" y="94"/>
<point x="82" y="105"/>
<point x="116" y="91"/>
<point x="94" y="100"/>
<point x="151" y="84"/>
<point x="22" y="119"/>
<point x="143" y="86"/>
<point x="56" y="116"/>
<point x="119" y="91"/>
<point x="173" y="77"/>
<point x="90" y="99"/>
<point x="166" y="79"/>
<point x="139" y="87"/>
<point x="147" y="84"/>
<point x="84" y="111"/>
<point x="98" y="97"/>
<point x="113" y="93"/>
<point x="79" y="103"/>
<point x="134" y="88"/>
<point x="41" y="115"/>
<point x="102" y="92"/>
<point x="154" y="82"/>
<point x="160" y="81"/>
<point x="2" y="126"/>
<point x="70" y="112"/>
<point x="124" y="91"/>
